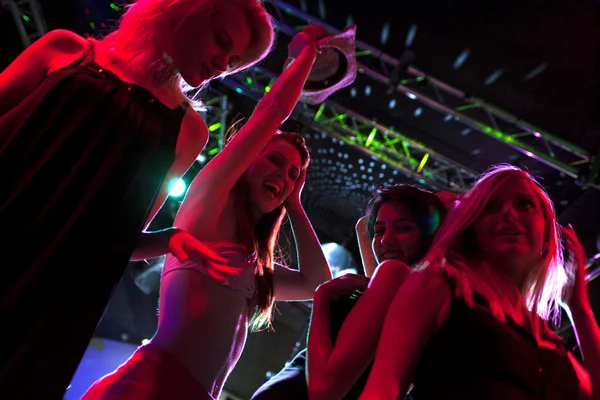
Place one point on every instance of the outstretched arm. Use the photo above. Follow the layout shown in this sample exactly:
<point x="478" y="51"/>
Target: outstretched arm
<point x="420" y="307"/>
<point x="357" y="339"/>
<point x="218" y="177"/>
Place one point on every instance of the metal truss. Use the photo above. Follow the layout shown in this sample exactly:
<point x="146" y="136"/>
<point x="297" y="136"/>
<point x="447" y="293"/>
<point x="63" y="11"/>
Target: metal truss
<point x="215" y="116"/>
<point x="474" y="112"/>
<point x="377" y="141"/>
<point x="29" y="19"/>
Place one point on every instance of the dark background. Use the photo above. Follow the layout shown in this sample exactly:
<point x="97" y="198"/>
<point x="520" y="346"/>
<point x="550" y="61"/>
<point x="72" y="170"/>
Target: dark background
<point x="544" y="55"/>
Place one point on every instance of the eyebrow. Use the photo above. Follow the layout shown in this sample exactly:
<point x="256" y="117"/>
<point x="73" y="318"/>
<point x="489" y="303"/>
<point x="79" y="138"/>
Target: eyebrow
<point x="280" y="155"/>
<point x="531" y="195"/>
<point x="498" y="197"/>
<point x="396" y="220"/>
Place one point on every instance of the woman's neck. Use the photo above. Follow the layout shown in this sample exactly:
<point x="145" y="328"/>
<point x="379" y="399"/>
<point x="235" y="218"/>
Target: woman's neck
<point x="159" y="74"/>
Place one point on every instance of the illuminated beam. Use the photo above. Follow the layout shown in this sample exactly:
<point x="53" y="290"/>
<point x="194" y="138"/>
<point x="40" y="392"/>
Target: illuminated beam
<point x="474" y="112"/>
<point x="418" y="162"/>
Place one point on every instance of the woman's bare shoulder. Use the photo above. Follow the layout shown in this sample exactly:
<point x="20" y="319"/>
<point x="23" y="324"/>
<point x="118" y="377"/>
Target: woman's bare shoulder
<point x="60" y="48"/>
<point x="64" y="41"/>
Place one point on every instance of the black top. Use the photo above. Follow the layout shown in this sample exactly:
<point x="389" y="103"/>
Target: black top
<point x="82" y="158"/>
<point x="476" y="356"/>
<point x="290" y="382"/>
<point x="339" y="312"/>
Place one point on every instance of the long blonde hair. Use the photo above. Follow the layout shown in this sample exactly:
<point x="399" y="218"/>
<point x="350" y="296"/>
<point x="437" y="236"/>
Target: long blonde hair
<point x="144" y="27"/>
<point x="544" y="285"/>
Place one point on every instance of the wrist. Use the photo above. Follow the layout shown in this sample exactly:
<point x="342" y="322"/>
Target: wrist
<point x="580" y="309"/>
<point x="309" y="50"/>
<point x="169" y="233"/>
<point x="293" y="205"/>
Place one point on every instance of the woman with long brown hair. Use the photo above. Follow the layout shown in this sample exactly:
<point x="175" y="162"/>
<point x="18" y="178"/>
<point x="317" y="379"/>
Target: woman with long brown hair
<point x="235" y="206"/>
<point x="402" y="223"/>
<point x="396" y="232"/>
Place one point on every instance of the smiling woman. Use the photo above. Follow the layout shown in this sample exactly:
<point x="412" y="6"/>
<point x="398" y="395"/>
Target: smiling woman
<point x="399" y="227"/>
<point x="274" y="174"/>
<point x="235" y="207"/>
<point x="489" y="286"/>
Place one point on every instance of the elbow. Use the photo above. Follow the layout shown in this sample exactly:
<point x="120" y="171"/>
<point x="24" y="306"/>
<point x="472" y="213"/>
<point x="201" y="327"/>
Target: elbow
<point x="312" y="283"/>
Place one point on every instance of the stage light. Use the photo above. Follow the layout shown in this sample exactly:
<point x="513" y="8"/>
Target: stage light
<point x="339" y="258"/>
<point x="410" y="36"/>
<point x="385" y="33"/>
<point x="462" y="57"/>
<point x="177" y="188"/>
<point x="493" y="77"/>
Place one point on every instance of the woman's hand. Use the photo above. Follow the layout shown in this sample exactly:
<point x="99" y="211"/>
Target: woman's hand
<point x="294" y="199"/>
<point x="339" y="287"/>
<point x="186" y="247"/>
<point x="578" y="296"/>
<point x="301" y="41"/>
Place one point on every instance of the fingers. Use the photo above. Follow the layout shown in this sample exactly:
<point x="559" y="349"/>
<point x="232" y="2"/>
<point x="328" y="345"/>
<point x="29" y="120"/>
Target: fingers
<point x="210" y="255"/>
<point x="176" y="248"/>
<point x="568" y="230"/>
<point x="214" y="275"/>
<point x="302" y="177"/>
<point x="570" y="235"/>
<point x="224" y="269"/>
<point x="348" y="282"/>
<point x="201" y="251"/>
<point x="574" y="246"/>
<point x="355" y="278"/>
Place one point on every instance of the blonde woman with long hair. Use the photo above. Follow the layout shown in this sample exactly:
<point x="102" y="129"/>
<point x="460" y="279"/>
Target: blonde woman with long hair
<point x="473" y="322"/>
<point x="92" y="134"/>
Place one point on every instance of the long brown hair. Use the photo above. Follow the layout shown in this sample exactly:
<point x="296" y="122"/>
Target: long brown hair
<point x="428" y="210"/>
<point x="261" y="238"/>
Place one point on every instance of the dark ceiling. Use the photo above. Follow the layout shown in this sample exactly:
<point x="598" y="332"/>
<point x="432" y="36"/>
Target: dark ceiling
<point x="537" y="60"/>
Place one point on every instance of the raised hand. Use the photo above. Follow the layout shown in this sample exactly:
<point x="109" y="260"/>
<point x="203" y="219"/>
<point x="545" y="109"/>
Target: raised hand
<point x="300" y="42"/>
<point x="339" y="287"/>
<point x="293" y="200"/>
<point x="578" y="295"/>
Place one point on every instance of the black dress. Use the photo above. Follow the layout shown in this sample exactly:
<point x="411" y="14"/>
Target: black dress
<point x="82" y="158"/>
<point x="476" y="356"/>
<point x="290" y="383"/>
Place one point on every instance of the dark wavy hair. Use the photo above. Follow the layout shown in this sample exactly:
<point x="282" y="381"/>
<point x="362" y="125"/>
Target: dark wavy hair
<point x="429" y="211"/>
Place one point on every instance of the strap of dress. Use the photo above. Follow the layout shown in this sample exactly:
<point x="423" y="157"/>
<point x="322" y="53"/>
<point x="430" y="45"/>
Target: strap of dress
<point x="86" y="57"/>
